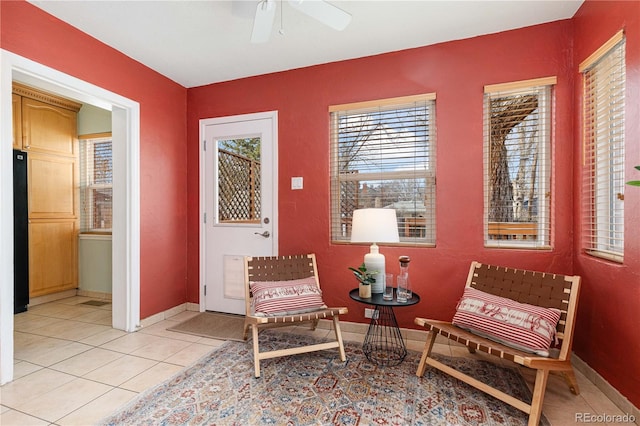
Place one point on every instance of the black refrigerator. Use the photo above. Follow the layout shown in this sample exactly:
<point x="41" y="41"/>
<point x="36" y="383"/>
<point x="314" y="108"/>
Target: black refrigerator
<point x="20" y="233"/>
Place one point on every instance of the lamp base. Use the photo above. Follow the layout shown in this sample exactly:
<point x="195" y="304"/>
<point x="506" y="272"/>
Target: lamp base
<point x="375" y="261"/>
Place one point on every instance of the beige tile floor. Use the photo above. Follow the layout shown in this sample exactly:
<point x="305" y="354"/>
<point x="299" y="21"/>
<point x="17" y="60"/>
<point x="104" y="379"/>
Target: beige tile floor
<point x="72" y="368"/>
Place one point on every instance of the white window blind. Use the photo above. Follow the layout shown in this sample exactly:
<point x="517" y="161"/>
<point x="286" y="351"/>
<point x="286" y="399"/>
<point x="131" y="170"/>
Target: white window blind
<point x="517" y="163"/>
<point x="96" y="184"/>
<point x="383" y="156"/>
<point x="604" y="79"/>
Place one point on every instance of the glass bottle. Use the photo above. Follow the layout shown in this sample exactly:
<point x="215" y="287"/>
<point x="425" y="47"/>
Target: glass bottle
<point x="404" y="273"/>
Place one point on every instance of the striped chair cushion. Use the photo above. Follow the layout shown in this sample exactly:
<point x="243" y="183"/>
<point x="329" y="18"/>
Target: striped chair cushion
<point x="271" y="298"/>
<point x="521" y="326"/>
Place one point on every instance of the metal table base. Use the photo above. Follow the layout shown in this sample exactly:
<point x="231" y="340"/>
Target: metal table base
<point x="383" y="344"/>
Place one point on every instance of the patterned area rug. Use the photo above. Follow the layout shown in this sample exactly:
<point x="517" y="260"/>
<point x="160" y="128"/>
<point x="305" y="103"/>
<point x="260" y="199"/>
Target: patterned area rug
<point x="319" y="389"/>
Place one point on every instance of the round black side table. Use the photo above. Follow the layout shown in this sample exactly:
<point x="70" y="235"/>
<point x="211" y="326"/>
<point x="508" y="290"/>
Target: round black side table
<point x="383" y="343"/>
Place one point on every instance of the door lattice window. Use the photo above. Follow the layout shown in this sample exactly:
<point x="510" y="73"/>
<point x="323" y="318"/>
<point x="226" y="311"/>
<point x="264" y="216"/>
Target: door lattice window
<point x="238" y="187"/>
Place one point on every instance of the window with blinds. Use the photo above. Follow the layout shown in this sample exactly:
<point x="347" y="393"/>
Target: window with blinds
<point x="96" y="184"/>
<point x="383" y="156"/>
<point x="603" y="179"/>
<point x="517" y="163"/>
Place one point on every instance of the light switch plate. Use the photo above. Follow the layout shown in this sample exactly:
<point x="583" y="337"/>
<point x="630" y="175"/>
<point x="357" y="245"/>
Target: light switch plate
<point x="296" y="183"/>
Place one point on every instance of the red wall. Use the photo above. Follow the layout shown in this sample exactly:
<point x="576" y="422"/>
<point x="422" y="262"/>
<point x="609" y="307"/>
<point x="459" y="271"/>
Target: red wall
<point x="609" y="316"/>
<point x="31" y="33"/>
<point x="456" y="72"/>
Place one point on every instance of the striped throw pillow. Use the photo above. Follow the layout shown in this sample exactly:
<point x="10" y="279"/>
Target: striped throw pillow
<point x="522" y="326"/>
<point x="271" y="298"/>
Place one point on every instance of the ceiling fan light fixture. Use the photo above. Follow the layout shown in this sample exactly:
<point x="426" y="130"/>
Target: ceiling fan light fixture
<point x="267" y="5"/>
<point x="320" y="10"/>
<point x="263" y="22"/>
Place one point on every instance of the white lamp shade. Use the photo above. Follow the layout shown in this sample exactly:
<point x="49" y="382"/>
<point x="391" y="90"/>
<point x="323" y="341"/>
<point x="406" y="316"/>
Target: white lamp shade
<point x="374" y="226"/>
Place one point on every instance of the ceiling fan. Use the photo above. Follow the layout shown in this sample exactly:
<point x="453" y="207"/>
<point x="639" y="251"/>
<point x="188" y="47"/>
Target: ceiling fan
<point x="319" y="10"/>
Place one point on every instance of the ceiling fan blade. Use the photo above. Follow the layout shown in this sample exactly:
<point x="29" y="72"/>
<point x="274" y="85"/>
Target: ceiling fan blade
<point x="263" y="21"/>
<point x="324" y="12"/>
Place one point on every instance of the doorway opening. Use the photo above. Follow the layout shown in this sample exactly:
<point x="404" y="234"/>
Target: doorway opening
<point x="126" y="184"/>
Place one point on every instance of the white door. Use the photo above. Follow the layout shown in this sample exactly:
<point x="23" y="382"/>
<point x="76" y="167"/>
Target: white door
<point x="239" y="197"/>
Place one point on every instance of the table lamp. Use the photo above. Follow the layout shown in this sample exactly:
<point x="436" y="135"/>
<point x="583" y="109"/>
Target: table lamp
<point x="375" y="226"/>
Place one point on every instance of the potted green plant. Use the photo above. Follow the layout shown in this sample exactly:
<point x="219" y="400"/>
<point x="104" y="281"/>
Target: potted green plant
<point x="365" y="278"/>
<point x="634" y="182"/>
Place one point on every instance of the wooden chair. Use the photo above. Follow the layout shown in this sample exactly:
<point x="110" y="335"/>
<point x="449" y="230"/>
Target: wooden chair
<point x="283" y="269"/>
<point x="535" y="288"/>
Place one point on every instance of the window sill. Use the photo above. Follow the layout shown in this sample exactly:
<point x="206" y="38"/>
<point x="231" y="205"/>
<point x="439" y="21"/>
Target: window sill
<point x="106" y="236"/>
<point x="606" y="256"/>
<point x="400" y="244"/>
<point x="516" y="246"/>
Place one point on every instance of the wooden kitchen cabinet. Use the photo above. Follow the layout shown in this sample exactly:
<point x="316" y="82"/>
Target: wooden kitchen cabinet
<point x="53" y="256"/>
<point x="54" y="180"/>
<point x="48" y="126"/>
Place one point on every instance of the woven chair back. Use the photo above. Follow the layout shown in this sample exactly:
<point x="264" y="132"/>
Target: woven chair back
<point x="282" y="268"/>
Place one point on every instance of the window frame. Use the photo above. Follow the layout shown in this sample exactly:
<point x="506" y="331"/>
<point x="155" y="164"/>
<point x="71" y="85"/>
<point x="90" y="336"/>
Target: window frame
<point x="87" y="184"/>
<point x="542" y="87"/>
<point x="339" y="235"/>
<point x="603" y="163"/>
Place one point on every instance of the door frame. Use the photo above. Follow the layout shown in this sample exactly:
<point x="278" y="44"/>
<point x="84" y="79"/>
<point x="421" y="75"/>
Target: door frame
<point x="273" y="115"/>
<point x="126" y="184"/>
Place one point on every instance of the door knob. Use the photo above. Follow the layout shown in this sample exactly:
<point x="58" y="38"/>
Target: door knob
<point x="265" y="234"/>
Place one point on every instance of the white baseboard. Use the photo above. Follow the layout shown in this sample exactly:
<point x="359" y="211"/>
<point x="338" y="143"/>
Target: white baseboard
<point x="609" y="391"/>
<point x="161" y="316"/>
<point x="94" y="294"/>
<point x="194" y="307"/>
<point x="34" y="301"/>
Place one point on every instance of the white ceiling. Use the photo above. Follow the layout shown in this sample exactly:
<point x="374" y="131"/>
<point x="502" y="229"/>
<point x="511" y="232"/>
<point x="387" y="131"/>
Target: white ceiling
<point x="200" y="42"/>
